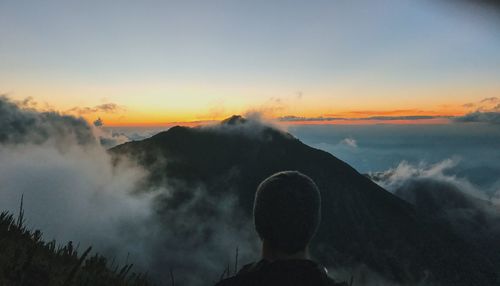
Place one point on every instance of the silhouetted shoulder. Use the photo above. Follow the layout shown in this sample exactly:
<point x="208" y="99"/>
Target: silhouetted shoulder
<point x="285" y="272"/>
<point x="228" y="282"/>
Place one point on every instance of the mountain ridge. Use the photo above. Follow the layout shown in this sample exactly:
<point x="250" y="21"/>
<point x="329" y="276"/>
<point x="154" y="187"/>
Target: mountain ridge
<point x="362" y="222"/>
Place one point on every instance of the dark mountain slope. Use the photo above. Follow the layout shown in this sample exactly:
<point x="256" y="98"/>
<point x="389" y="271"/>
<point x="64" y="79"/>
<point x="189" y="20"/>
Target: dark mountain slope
<point x="475" y="220"/>
<point x="362" y="223"/>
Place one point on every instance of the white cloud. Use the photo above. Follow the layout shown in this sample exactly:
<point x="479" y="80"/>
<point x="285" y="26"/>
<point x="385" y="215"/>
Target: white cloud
<point x="351" y="142"/>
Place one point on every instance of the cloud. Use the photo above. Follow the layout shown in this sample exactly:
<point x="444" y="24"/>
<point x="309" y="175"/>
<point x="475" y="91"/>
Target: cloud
<point x="276" y="105"/>
<point x="409" y="117"/>
<point x="74" y="190"/>
<point x="270" y="108"/>
<point x="454" y="202"/>
<point x="98" y="122"/>
<point x="102" y="108"/>
<point x="75" y="194"/>
<point x="486" y="110"/>
<point x="28" y="102"/>
<point x="469" y="105"/>
<point x="490" y="100"/>
<point x="23" y="124"/>
<point x="29" y="126"/>
<point x="109" y="139"/>
<point x="134" y="134"/>
<point x="254" y="125"/>
<point x="486" y="105"/>
<point x="394" y="178"/>
<point x="31" y="104"/>
<point x="368" y="113"/>
<point x="351" y="142"/>
<point x="200" y="235"/>
<point x="292" y="118"/>
<point x="480" y="117"/>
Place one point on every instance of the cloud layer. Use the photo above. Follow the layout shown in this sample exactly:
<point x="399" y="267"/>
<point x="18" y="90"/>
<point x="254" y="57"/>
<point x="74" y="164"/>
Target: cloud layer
<point x="102" y="108"/>
<point x="471" y="212"/>
<point x="486" y="110"/>
<point x="74" y="191"/>
<point x="29" y="126"/>
<point x="291" y="118"/>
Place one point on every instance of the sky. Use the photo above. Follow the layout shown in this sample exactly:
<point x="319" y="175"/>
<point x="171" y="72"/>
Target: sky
<point x="375" y="148"/>
<point x="134" y="63"/>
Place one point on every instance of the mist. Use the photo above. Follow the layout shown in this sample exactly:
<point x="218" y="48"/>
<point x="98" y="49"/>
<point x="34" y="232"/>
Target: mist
<point x="441" y="174"/>
<point x="74" y="191"/>
<point x="436" y="191"/>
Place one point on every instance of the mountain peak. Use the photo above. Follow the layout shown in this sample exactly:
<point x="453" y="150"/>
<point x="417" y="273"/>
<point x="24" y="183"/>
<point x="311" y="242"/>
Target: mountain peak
<point x="362" y="224"/>
<point x="234" y="120"/>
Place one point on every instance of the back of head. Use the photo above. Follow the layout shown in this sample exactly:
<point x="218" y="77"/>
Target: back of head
<point x="287" y="211"/>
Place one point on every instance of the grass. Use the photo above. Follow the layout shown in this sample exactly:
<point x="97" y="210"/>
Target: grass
<point x="27" y="260"/>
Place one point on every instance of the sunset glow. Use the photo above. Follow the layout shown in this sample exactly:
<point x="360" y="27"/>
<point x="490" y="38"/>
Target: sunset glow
<point x="164" y="63"/>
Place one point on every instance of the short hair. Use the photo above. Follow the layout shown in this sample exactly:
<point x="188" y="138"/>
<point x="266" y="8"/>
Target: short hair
<point x="287" y="211"/>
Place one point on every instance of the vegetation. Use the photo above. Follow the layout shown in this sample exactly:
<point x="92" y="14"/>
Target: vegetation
<point x="25" y="260"/>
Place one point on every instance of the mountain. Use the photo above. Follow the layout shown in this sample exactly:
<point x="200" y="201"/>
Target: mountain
<point x="362" y="224"/>
<point x="475" y="220"/>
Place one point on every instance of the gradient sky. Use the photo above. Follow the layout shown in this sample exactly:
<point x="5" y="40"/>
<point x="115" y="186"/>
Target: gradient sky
<point x="152" y="62"/>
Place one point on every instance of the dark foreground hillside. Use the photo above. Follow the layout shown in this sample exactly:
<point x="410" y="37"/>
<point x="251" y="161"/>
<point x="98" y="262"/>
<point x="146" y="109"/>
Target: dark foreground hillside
<point x="362" y="224"/>
<point x="25" y="259"/>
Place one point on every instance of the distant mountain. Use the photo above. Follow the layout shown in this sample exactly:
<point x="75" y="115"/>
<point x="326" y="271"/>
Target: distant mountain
<point x="475" y="220"/>
<point x="362" y="223"/>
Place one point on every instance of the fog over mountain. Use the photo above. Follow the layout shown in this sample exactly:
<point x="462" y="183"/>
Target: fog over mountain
<point x="473" y="147"/>
<point x="379" y="232"/>
<point x="182" y="200"/>
<point x="73" y="191"/>
<point x="472" y="213"/>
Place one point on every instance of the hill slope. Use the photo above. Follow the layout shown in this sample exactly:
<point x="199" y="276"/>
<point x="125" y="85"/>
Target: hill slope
<point x="362" y="223"/>
<point x="25" y="259"/>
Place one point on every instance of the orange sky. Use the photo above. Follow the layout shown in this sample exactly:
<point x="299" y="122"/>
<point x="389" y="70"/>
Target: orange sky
<point x="350" y="103"/>
<point x="193" y="109"/>
<point x="146" y="65"/>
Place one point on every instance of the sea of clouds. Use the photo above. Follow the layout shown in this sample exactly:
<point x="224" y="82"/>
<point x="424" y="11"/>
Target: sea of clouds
<point x="74" y="191"/>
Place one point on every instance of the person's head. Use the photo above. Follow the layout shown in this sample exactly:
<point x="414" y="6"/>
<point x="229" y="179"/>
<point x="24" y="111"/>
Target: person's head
<point x="287" y="211"/>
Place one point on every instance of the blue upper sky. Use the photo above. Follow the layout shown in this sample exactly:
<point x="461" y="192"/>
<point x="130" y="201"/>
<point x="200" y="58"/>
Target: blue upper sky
<point x="211" y="51"/>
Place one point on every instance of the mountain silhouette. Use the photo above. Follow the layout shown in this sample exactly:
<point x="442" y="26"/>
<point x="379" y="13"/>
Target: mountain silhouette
<point x="362" y="223"/>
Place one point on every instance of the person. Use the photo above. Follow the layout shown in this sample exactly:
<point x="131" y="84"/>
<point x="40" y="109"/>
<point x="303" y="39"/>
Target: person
<point x="287" y="213"/>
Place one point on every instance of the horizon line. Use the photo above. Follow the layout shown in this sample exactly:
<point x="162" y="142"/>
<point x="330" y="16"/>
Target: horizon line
<point x="418" y="120"/>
